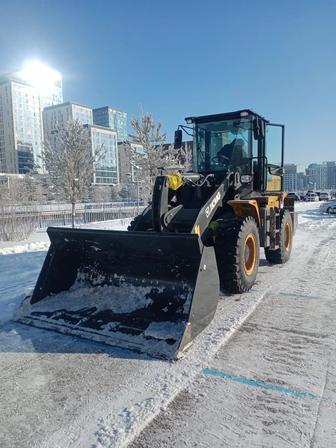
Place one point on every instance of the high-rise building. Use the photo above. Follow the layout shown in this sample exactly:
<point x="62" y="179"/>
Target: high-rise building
<point x="331" y="175"/>
<point x="56" y="117"/>
<point x="23" y="94"/>
<point x="301" y="181"/>
<point x="20" y="126"/>
<point x="105" y="140"/>
<point x="128" y="171"/>
<point x="317" y="176"/>
<point x="112" y="118"/>
<point x="290" y="177"/>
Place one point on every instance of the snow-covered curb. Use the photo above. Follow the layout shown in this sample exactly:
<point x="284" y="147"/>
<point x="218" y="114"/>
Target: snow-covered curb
<point x="34" y="245"/>
<point x="28" y="247"/>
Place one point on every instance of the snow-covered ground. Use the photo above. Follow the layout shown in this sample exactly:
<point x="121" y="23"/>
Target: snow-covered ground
<point x="61" y="391"/>
<point x="39" y="239"/>
<point x="273" y="384"/>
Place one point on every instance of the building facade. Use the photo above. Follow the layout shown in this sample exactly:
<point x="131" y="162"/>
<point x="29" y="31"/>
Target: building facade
<point x="301" y="181"/>
<point x="56" y="117"/>
<point x="22" y="99"/>
<point x="104" y="140"/>
<point x="331" y="175"/>
<point x="128" y="173"/>
<point x="290" y="177"/>
<point x="112" y="118"/>
<point x="20" y="127"/>
<point x="317" y="176"/>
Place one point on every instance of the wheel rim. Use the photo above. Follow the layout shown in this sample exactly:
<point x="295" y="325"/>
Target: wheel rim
<point x="250" y="253"/>
<point x="288" y="236"/>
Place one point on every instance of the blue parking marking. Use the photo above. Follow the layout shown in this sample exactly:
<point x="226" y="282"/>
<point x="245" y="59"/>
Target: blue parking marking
<point x="293" y="295"/>
<point x="296" y="393"/>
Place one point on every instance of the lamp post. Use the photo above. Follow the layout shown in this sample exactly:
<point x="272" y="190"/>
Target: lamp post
<point x="137" y="181"/>
<point x="73" y="201"/>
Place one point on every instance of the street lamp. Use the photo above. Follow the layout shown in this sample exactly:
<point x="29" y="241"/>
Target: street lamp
<point x="137" y="183"/>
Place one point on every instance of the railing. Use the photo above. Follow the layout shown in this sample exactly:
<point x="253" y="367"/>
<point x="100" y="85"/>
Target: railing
<point x="17" y="222"/>
<point x="80" y="206"/>
<point x="84" y="216"/>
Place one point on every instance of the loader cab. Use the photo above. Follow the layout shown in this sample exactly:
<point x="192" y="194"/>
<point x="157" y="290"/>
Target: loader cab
<point x="243" y="142"/>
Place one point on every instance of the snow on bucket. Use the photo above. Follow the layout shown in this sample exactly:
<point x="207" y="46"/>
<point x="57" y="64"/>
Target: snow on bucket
<point x="146" y="291"/>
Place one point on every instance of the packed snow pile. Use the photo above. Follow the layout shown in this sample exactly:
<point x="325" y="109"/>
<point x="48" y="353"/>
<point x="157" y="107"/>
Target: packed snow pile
<point x="119" y="313"/>
<point x="80" y="297"/>
<point x="39" y="240"/>
<point x="28" y="247"/>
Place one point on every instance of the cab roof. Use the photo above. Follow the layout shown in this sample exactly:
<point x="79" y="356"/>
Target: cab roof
<point x="225" y="116"/>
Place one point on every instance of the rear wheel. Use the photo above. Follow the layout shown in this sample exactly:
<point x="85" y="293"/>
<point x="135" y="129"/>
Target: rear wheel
<point x="282" y="254"/>
<point x="237" y="250"/>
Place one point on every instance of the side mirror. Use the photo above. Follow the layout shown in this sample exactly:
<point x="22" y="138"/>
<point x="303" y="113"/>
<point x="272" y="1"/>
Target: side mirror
<point x="275" y="170"/>
<point x="178" y="139"/>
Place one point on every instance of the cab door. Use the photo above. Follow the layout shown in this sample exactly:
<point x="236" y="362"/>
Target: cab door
<point x="274" y="152"/>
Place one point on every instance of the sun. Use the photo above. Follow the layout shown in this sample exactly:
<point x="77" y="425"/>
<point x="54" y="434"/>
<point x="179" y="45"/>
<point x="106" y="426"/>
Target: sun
<point x="39" y="75"/>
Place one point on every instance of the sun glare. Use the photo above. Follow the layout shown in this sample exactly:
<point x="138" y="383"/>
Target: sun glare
<point x="39" y="74"/>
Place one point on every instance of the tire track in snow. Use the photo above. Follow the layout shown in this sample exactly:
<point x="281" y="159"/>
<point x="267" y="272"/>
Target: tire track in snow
<point x="289" y="345"/>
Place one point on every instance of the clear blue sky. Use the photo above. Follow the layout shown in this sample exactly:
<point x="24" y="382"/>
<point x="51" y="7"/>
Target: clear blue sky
<point x="179" y="58"/>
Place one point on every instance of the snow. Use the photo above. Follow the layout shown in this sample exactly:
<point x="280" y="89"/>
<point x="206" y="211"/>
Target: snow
<point x="273" y="383"/>
<point x="28" y="247"/>
<point x="39" y="240"/>
<point x="75" y="393"/>
<point x="164" y="330"/>
<point x="96" y="313"/>
<point x="122" y="299"/>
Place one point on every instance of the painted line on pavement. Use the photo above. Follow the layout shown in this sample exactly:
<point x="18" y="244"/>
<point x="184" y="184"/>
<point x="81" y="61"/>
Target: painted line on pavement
<point x="293" y="295"/>
<point x="297" y="393"/>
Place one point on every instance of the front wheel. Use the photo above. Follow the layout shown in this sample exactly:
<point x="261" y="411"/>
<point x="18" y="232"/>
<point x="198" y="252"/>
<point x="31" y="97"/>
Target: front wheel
<point x="237" y="250"/>
<point x="282" y="254"/>
<point x="141" y="222"/>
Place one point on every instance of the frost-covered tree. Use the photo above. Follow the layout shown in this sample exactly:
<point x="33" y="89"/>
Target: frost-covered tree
<point x="70" y="163"/>
<point x="153" y="156"/>
<point x="183" y="156"/>
<point x="186" y="156"/>
<point x="16" y="221"/>
<point x="21" y="190"/>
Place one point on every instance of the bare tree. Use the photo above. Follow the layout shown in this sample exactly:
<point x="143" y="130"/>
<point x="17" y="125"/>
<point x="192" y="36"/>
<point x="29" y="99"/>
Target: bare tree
<point x="154" y="154"/>
<point x="186" y="156"/>
<point x="17" y="219"/>
<point x="183" y="156"/>
<point x="70" y="163"/>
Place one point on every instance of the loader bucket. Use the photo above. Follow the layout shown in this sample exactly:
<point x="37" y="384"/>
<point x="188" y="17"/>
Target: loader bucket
<point x="146" y="291"/>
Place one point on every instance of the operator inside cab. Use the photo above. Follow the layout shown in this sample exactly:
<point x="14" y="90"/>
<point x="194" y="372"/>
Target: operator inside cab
<point x="232" y="153"/>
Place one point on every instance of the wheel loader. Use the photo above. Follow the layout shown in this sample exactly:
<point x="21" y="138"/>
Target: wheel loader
<point x="155" y="287"/>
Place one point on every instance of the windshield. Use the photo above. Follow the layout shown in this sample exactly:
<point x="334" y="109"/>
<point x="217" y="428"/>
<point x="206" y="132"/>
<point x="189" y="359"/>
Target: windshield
<point x="221" y="145"/>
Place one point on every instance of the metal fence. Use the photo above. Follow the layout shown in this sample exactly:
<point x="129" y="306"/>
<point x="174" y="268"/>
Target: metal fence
<point x="52" y="207"/>
<point x="86" y="215"/>
<point x="17" y="222"/>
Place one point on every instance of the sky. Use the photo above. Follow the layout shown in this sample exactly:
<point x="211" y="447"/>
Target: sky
<point x="189" y="57"/>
